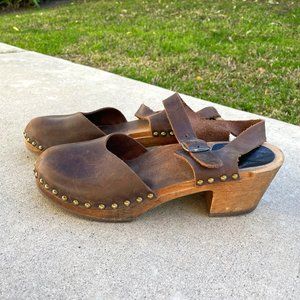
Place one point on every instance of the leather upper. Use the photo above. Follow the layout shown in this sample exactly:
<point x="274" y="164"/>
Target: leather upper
<point x="205" y="162"/>
<point x="55" y="130"/>
<point x="49" y="131"/>
<point x="95" y="170"/>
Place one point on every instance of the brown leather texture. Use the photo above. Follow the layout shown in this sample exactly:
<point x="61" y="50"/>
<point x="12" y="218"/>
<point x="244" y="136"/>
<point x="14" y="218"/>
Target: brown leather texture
<point x="114" y="169"/>
<point x="55" y="130"/>
<point x="47" y="131"/>
<point x="158" y="121"/>
<point x="95" y="170"/>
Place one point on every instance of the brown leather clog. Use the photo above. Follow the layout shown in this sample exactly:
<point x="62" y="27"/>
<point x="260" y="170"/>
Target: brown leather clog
<point x="151" y="128"/>
<point x="115" y="178"/>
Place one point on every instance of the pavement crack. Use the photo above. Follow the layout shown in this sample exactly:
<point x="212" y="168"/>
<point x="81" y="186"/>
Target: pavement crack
<point x="10" y="52"/>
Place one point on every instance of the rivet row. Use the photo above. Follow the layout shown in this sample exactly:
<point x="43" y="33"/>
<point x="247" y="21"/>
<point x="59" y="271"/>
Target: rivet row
<point x="32" y="142"/>
<point x="88" y="205"/>
<point x="224" y="177"/>
<point x="162" y="133"/>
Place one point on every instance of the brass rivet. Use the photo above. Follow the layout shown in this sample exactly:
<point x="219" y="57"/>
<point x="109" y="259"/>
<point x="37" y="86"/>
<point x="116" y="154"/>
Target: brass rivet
<point x="127" y="203"/>
<point x="200" y="182"/>
<point x="101" y="206"/>
<point x="155" y="133"/>
<point x="36" y="174"/>
<point x="114" y="206"/>
<point x="25" y="134"/>
<point x="64" y="198"/>
<point x="235" y="176"/>
<point x="41" y="147"/>
<point x="223" y="177"/>
<point x="150" y="196"/>
<point x="210" y="180"/>
<point x="139" y="199"/>
<point x="28" y="140"/>
<point x="171" y="132"/>
<point x="46" y="186"/>
<point x="33" y="143"/>
<point x="55" y="192"/>
<point x="75" y="202"/>
<point x="87" y="205"/>
<point x="41" y="181"/>
<point x="163" y="133"/>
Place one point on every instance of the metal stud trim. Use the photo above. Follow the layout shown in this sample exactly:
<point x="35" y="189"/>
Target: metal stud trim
<point x="75" y="202"/>
<point x="210" y="180"/>
<point x="33" y="142"/>
<point x="139" y="199"/>
<point x="114" y="206"/>
<point x="235" y="176"/>
<point x="126" y="203"/>
<point x="163" y="133"/>
<point x="88" y="205"/>
<point x="223" y="177"/>
<point x="200" y="182"/>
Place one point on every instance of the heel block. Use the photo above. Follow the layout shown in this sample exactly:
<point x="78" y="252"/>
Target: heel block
<point x="240" y="197"/>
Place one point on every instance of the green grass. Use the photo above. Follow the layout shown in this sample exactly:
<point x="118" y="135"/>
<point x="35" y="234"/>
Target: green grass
<point x="244" y="54"/>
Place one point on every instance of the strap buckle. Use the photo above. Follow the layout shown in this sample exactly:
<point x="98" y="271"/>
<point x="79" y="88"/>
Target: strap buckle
<point x="194" y="146"/>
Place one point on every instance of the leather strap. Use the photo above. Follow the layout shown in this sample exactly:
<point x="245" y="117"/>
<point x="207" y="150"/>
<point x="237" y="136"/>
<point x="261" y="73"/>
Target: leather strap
<point x="158" y="120"/>
<point x="144" y="111"/>
<point x="185" y="134"/>
<point x="205" y="163"/>
<point x="208" y="112"/>
<point x="248" y="139"/>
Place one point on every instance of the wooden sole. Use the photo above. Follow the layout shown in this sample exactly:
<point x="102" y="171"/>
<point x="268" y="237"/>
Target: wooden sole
<point x="32" y="148"/>
<point x="223" y="198"/>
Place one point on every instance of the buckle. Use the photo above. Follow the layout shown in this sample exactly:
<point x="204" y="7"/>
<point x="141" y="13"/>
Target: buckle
<point x="194" y="146"/>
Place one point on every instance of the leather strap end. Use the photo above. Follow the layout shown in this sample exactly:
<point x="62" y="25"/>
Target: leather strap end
<point x="144" y="111"/>
<point x="207" y="159"/>
<point x="208" y="113"/>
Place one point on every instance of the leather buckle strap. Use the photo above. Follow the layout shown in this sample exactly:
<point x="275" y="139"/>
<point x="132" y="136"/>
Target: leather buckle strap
<point x="185" y="135"/>
<point x="194" y="146"/>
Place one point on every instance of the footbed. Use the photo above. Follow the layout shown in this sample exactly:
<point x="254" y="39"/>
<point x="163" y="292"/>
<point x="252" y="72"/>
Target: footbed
<point x="129" y="128"/>
<point x="257" y="157"/>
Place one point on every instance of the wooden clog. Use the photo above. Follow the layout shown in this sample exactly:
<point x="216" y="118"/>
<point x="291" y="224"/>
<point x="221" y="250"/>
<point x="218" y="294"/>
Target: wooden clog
<point x="115" y="178"/>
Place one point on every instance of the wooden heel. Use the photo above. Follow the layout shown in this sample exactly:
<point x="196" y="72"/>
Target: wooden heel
<point x="240" y="197"/>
